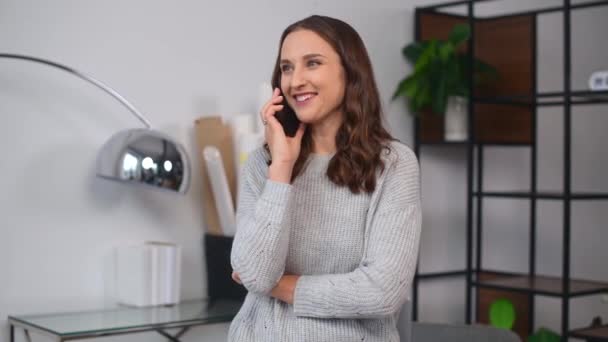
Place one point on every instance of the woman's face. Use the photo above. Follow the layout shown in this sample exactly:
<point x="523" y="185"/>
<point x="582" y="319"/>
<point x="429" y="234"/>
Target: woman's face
<point x="312" y="77"/>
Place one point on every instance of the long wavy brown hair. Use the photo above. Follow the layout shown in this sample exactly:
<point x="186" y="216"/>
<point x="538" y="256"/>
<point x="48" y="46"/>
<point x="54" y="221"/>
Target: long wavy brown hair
<point x="362" y="137"/>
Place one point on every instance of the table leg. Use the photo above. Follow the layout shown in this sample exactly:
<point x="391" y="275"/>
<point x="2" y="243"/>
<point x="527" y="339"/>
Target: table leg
<point x="182" y="331"/>
<point x="12" y="333"/>
<point x="173" y="338"/>
<point x="27" y="335"/>
<point x="168" y="336"/>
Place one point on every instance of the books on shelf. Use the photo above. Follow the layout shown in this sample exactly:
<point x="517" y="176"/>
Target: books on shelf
<point x="148" y="274"/>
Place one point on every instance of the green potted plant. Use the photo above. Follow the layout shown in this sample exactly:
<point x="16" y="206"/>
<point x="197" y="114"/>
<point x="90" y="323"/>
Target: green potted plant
<point x="544" y="335"/>
<point x="440" y="79"/>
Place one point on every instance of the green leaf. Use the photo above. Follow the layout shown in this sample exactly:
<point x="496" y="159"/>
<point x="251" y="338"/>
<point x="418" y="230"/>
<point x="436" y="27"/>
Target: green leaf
<point x="413" y="51"/>
<point x="453" y="76"/>
<point x="445" y="51"/>
<point x="460" y="33"/>
<point x="411" y="87"/>
<point x="427" y="56"/>
<point x="502" y="313"/>
<point x="425" y="97"/>
<point x="482" y="70"/>
<point x="441" y="96"/>
<point x="485" y="72"/>
<point x="399" y="91"/>
<point x="407" y="87"/>
<point x="544" y="335"/>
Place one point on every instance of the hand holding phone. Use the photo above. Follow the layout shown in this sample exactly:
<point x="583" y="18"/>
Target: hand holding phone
<point x="288" y="119"/>
<point x="283" y="140"/>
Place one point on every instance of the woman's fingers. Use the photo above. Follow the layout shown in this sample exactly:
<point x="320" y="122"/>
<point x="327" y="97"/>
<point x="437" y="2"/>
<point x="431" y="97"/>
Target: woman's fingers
<point x="273" y="123"/>
<point x="276" y="99"/>
<point x="272" y="110"/>
<point x="300" y="132"/>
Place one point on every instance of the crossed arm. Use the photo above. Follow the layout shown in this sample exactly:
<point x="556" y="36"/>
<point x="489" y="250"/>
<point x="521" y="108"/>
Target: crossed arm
<point x="283" y="291"/>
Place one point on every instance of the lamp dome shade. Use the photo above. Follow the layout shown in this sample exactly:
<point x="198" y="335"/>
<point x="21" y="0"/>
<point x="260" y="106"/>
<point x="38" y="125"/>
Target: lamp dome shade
<point x="147" y="157"/>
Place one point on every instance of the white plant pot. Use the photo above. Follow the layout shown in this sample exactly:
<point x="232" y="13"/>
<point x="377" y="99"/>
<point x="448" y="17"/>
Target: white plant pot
<point x="456" y="128"/>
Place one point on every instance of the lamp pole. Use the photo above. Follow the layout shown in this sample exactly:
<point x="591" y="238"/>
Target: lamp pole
<point x="87" y="78"/>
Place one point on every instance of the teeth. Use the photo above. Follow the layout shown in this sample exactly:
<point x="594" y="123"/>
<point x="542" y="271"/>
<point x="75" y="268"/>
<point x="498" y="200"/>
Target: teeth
<point x="305" y="97"/>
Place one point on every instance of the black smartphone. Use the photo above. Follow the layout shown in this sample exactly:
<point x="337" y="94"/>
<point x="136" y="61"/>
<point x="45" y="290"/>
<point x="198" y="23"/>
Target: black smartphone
<point x="288" y="119"/>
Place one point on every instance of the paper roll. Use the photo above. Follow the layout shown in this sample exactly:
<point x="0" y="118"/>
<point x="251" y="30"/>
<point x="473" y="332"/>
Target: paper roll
<point x="244" y="145"/>
<point x="221" y="192"/>
<point x="242" y="123"/>
<point x="264" y="94"/>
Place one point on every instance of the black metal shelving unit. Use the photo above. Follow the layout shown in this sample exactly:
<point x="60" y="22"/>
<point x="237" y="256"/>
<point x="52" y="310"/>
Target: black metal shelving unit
<point x="529" y="283"/>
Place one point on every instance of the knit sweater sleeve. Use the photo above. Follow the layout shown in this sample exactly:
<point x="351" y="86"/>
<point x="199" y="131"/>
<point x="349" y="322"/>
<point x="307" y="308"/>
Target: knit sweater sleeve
<point x="378" y="286"/>
<point x="260" y="244"/>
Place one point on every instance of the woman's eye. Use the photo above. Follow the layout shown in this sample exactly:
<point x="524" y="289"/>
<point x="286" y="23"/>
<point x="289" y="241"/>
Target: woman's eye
<point x="285" y="67"/>
<point x="313" y="63"/>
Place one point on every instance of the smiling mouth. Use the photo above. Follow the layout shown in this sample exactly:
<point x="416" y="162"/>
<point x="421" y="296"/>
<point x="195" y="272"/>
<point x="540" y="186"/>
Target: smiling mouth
<point x="304" y="98"/>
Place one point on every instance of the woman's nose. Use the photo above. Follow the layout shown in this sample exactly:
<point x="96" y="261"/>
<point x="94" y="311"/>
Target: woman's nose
<point x="297" y="78"/>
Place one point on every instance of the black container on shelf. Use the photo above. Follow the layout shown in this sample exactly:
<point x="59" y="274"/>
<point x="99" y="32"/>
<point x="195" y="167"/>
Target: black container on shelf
<point x="219" y="271"/>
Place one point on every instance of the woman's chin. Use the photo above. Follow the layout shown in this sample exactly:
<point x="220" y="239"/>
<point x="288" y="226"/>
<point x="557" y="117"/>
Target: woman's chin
<point x="306" y="120"/>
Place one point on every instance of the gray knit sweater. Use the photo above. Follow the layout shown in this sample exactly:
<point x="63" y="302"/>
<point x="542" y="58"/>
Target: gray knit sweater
<point x="356" y="254"/>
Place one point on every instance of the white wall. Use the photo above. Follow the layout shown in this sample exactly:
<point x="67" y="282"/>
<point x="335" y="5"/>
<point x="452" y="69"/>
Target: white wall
<point x="175" y="62"/>
<point x="58" y="223"/>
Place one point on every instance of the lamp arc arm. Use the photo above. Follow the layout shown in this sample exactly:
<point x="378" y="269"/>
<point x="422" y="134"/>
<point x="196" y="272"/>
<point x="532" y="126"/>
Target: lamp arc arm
<point x="87" y="78"/>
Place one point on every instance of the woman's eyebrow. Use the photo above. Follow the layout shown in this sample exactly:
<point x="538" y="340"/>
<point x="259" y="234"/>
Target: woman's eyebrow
<point x="313" y="55"/>
<point x="307" y="56"/>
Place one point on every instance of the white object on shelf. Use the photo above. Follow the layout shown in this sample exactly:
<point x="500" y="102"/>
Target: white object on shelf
<point x="599" y="80"/>
<point x="132" y="278"/>
<point x="456" y="126"/>
<point x="148" y="274"/>
<point x="220" y="189"/>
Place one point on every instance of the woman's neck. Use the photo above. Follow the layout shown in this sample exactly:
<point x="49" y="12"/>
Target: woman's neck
<point x="324" y="133"/>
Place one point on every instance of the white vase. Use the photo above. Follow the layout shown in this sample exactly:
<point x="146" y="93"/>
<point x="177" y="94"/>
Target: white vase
<point x="456" y="127"/>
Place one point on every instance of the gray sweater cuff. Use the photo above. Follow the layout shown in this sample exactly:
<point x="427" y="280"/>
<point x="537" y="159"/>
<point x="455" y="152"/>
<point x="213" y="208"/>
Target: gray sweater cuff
<point x="273" y="200"/>
<point x="308" y="299"/>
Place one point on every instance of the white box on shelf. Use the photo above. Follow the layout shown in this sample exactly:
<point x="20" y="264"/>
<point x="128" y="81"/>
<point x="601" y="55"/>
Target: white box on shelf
<point x="148" y="274"/>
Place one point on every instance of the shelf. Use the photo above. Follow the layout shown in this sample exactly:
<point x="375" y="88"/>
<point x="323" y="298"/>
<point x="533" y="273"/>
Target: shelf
<point x="549" y="286"/>
<point x="465" y="143"/>
<point x="577" y="97"/>
<point x="441" y="9"/>
<point x="507" y="112"/>
<point x="596" y="333"/>
<point x="444" y="274"/>
<point x="543" y="195"/>
<point x="444" y="143"/>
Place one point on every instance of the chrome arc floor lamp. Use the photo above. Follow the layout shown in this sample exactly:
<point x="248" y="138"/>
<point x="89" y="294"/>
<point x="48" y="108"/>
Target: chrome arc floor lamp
<point x="138" y="155"/>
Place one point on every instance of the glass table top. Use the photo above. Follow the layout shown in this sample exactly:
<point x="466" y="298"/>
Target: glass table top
<point x="124" y="318"/>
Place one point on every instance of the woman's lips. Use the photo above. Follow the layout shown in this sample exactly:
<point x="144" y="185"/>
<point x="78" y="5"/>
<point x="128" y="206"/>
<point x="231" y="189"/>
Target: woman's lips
<point x="304" y="99"/>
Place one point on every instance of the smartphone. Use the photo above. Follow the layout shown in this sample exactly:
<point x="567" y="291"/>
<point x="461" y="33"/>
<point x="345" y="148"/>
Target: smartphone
<point x="288" y="119"/>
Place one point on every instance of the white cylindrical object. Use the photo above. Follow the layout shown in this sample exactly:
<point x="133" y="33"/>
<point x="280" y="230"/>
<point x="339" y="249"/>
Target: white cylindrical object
<point x="242" y="123"/>
<point x="220" y="189"/>
<point x="245" y="144"/>
<point x="456" y="128"/>
<point x="264" y="95"/>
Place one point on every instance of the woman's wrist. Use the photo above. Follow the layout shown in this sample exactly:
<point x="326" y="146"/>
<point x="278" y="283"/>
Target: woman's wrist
<point x="286" y="288"/>
<point x="280" y="172"/>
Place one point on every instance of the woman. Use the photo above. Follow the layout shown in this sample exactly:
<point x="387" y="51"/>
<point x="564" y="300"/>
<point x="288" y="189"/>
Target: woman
<point x="328" y="221"/>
